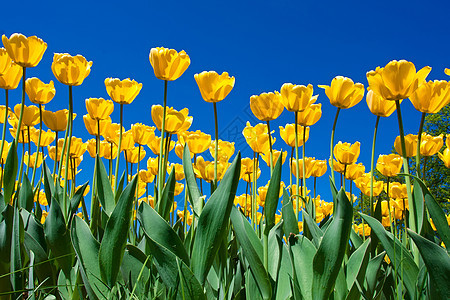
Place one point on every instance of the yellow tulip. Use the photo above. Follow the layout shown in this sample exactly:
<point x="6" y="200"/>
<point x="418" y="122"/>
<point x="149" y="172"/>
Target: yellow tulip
<point x="134" y="155"/>
<point x="247" y="166"/>
<point x="154" y="145"/>
<point x="308" y="167"/>
<point x="92" y="148"/>
<point x="296" y="97"/>
<point x="360" y="230"/>
<point x="354" y="171"/>
<point x="338" y="167"/>
<point x="397" y="80"/>
<point x="152" y="165"/>
<point x="33" y="162"/>
<point x="343" y="92"/>
<point x="70" y="70"/>
<point x="142" y="134"/>
<point x="146" y="176"/>
<point x="319" y="168"/>
<point x="205" y="169"/>
<point x="445" y="157"/>
<point x="111" y="133"/>
<point x="430" y="145"/>
<point x="363" y="184"/>
<point x="99" y="108"/>
<point x="179" y="171"/>
<point x="39" y="92"/>
<point x="44" y="216"/>
<point x="287" y="133"/>
<point x="77" y="147"/>
<point x="179" y="148"/>
<point x="92" y="125"/>
<point x="24" y="51"/>
<point x="275" y="155"/>
<point x="56" y="121"/>
<point x="47" y="137"/>
<point x="108" y="150"/>
<point x="311" y="114"/>
<point x="389" y="165"/>
<point x="249" y="177"/>
<point x="168" y="64"/>
<point x="226" y="150"/>
<point x="52" y="150"/>
<point x="379" y="106"/>
<point x="267" y="106"/>
<point x="4" y="154"/>
<point x="397" y="190"/>
<point x="122" y="91"/>
<point x="346" y="153"/>
<point x="197" y="141"/>
<point x="179" y="187"/>
<point x="11" y="78"/>
<point x="5" y="61"/>
<point x="3" y="112"/>
<point x="431" y="96"/>
<point x="176" y="121"/>
<point x="410" y="144"/>
<point x="30" y="114"/>
<point x="41" y="198"/>
<point x="127" y="141"/>
<point x="447" y="71"/>
<point x="257" y="137"/>
<point x="214" y="87"/>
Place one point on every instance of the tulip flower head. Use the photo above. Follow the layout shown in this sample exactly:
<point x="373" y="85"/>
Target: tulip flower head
<point x="363" y="184"/>
<point x="25" y="51"/>
<point x="142" y="134"/>
<point x="39" y="92"/>
<point x="296" y="97"/>
<point x="430" y="97"/>
<point x="447" y="71"/>
<point x="176" y="121"/>
<point x="30" y="114"/>
<point x="168" y="64"/>
<point x="410" y="144"/>
<point x="70" y="70"/>
<point x="56" y="121"/>
<point x="287" y="133"/>
<point x="99" y="108"/>
<point x="275" y="155"/>
<point x="389" y="165"/>
<point x="319" y="168"/>
<point x="397" y="80"/>
<point x="445" y="157"/>
<point x="214" y="87"/>
<point x="47" y="137"/>
<point x="311" y="114"/>
<point x="309" y="165"/>
<point x="430" y="145"/>
<point x="5" y="61"/>
<point x="11" y="78"/>
<point x="267" y="106"/>
<point x="343" y="92"/>
<point x="257" y="137"/>
<point x="122" y="91"/>
<point x="379" y="106"/>
<point x="226" y="150"/>
<point x="346" y="153"/>
<point x="354" y="171"/>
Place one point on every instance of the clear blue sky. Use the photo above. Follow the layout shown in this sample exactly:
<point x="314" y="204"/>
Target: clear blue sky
<point x="262" y="43"/>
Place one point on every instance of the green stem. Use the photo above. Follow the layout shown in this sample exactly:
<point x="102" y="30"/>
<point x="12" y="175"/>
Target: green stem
<point x="419" y="138"/>
<point x="161" y="169"/>
<point x="304" y="162"/>
<point x="216" y="143"/>
<point x="296" y="165"/>
<point x="119" y="150"/>
<point x="270" y="148"/>
<point x="19" y="124"/>
<point x="4" y="131"/>
<point x="371" y="164"/>
<point x="332" y="144"/>
<point x="38" y="145"/>
<point x="56" y="155"/>
<point x="266" y="250"/>
<point x="29" y="149"/>
<point x="66" y="169"/>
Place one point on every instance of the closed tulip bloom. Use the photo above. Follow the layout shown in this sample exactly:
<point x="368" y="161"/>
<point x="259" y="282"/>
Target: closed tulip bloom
<point x="205" y="169"/>
<point x="146" y="176"/>
<point x="257" y="137"/>
<point x="275" y="155"/>
<point x="11" y="78"/>
<point x="39" y="92"/>
<point x="56" y="121"/>
<point x="397" y="80"/>
<point x="447" y="71"/>
<point x="311" y="114"/>
<point x="346" y="153"/>
<point x="296" y="97"/>
<point x="179" y="187"/>
<point x="111" y="133"/>
<point x="5" y="61"/>
<point x="108" y="150"/>
<point x="445" y="157"/>
<point x="308" y="167"/>
<point x="176" y="121"/>
<point x="47" y="137"/>
<point x="337" y="166"/>
<point x="77" y="148"/>
<point x="226" y="150"/>
<point x="247" y="166"/>
<point x="142" y="134"/>
<point x="92" y="148"/>
<point x="431" y="96"/>
<point x="154" y="145"/>
<point x="30" y="114"/>
<point x="389" y="165"/>
<point x="267" y="106"/>
<point x="379" y="106"/>
<point x="179" y="148"/>
<point x="24" y="51"/>
<point x="70" y="70"/>
<point x="287" y="133"/>
<point x="249" y="177"/>
<point x="214" y="87"/>
<point x="122" y="91"/>
<point x="52" y="150"/>
<point x="33" y="162"/>
<point x="168" y="64"/>
<point x="179" y="171"/>
<point x="343" y="92"/>
<point x="127" y="141"/>
<point x="359" y="229"/>
<point x="134" y="155"/>
<point x="319" y="168"/>
<point x="397" y="190"/>
<point x="3" y="112"/>
<point x="4" y="154"/>
<point x="92" y="125"/>
<point x="430" y="145"/>
<point x="152" y="165"/>
<point x="410" y="144"/>
<point x="99" y="108"/>
<point x="363" y="184"/>
<point x="354" y="171"/>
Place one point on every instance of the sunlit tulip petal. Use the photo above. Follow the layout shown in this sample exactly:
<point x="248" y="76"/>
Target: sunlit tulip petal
<point x="25" y="51"/>
<point x="343" y="92"/>
<point x="70" y="70"/>
<point x="168" y="64"/>
<point x="122" y="91"/>
<point x="214" y="87"/>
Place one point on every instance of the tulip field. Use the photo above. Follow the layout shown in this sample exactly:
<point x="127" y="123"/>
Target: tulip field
<point x="150" y="225"/>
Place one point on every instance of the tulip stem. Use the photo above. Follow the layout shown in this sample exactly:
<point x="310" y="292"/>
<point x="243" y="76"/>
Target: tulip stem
<point x="38" y="145"/>
<point x="332" y="144"/>
<point x="216" y="143"/>
<point x="4" y="132"/>
<point x="19" y="124"/>
<point x="419" y="138"/>
<point x="116" y="174"/>
<point x="270" y="148"/>
<point x="304" y="163"/>
<point x="290" y="170"/>
<point x="56" y="155"/>
<point x="371" y="164"/>
<point x="296" y="165"/>
<point x="161" y="170"/>
<point x="66" y="169"/>
<point x="29" y="149"/>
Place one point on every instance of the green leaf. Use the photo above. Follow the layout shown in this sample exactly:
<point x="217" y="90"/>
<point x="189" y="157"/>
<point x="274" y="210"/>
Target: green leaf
<point x="58" y="237"/>
<point x="329" y="256"/>
<point x="190" y="287"/>
<point x="418" y="202"/>
<point x="290" y="224"/>
<point x="86" y="248"/>
<point x="49" y="186"/>
<point x="437" y="262"/>
<point x="213" y="221"/>
<point x="252" y="249"/>
<point x="272" y="196"/>
<point x="372" y="274"/>
<point x="158" y="230"/>
<point x="17" y="279"/>
<point x="5" y="234"/>
<point x="303" y="252"/>
<point x="132" y="265"/>
<point x="75" y="201"/>
<point x="10" y="172"/>
<point x="42" y="267"/>
<point x="316" y="232"/>
<point x="356" y="269"/>
<point x="194" y="193"/>
<point x="410" y="270"/>
<point x="166" y="201"/>
<point x="120" y="187"/>
<point x="114" y="239"/>
<point x="26" y="195"/>
<point x="104" y="190"/>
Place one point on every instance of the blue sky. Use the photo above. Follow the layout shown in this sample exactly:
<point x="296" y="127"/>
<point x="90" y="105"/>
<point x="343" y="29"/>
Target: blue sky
<point x="262" y="43"/>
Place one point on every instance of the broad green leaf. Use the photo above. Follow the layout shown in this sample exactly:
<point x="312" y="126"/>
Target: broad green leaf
<point x="356" y="269"/>
<point x="86" y="248"/>
<point x="372" y="274"/>
<point x="303" y="251"/>
<point x="275" y="250"/>
<point x="104" y="190"/>
<point x="356" y="239"/>
<point x="213" y="221"/>
<point x="409" y="268"/>
<point x="25" y="199"/>
<point x="252" y="249"/>
<point x="17" y="279"/>
<point x="158" y="230"/>
<point x="167" y="195"/>
<point x="252" y="288"/>
<point x="418" y="202"/>
<point x="330" y="254"/>
<point x="272" y="196"/>
<point x="58" y="237"/>
<point x="5" y="234"/>
<point x="194" y="192"/>
<point x="75" y="201"/>
<point x="114" y="239"/>
<point x="10" y="172"/>
<point x="120" y="187"/>
<point x="190" y="287"/>
<point x="132" y="265"/>
<point x="316" y="232"/>
<point x="290" y="223"/>
<point x="285" y="273"/>
<point x="43" y="267"/>
<point x="437" y="261"/>
<point x="49" y="186"/>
